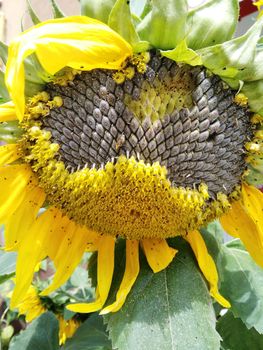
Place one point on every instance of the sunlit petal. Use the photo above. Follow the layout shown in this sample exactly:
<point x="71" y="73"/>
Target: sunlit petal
<point x="9" y="153"/>
<point x="78" y="42"/>
<point x="158" y="253"/>
<point x="238" y="223"/>
<point x="70" y="249"/>
<point x="105" y="273"/>
<point x="31" y="251"/>
<point x="23" y="217"/>
<point x="7" y="112"/>
<point x="14" y="184"/>
<point x="206" y="264"/>
<point x="253" y="202"/>
<point x="132" y="269"/>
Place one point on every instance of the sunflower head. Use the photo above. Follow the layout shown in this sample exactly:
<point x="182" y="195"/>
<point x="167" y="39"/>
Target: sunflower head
<point x="142" y="129"/>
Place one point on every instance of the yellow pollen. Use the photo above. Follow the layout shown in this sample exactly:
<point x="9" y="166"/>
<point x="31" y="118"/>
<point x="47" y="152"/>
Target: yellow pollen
<point x="56" y="102"/>
<point x="118" y="77"/>
<point x="40" y="105"/>
<point x="65" y="76"/>
<point x="129" y="72"/>
<point x="253" y="147"/>
<point x="138" y="62"/>
<point x="241" y="99"/>
<point x="256" y="119"/>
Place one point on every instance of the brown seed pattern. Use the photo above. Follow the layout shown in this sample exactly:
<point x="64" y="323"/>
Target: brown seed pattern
<point x="198" y="141"/>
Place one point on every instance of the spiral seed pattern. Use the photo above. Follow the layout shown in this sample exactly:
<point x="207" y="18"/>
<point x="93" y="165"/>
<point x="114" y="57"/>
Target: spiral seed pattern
<point x="179" y="116"/>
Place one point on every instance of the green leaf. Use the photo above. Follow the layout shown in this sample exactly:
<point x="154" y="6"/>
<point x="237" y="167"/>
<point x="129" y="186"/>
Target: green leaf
<point x="141" y="46"/>
<point x="3" y="89"/>
<point x="32" y="13"/>
<point x="254" y="70"/>
<point x="183" y="54"/>
<point x="36" y="76"/>
<point x="255" y="176"/>
<point x="235" y="334"/>
<point x="57" y="13"/>
<point x="35" y="73"/>
<point x="10" y="132"/>
<point x="99" y="9"/>
<point x="7" y="262"/>
<point x="91" y="335"/>
<point x="42" y="334"/>
<point x="164" y="26"/>
<point x="228" y="58"/>
<point x="241" y="279"/>
<point x="4" y="278"/>
<point x="32" y="88"/>
<point x="168" y="310"/>
<point x="254" y="91"/>
<point x="213" y="22"/>
<point x="3" y="52"/>
<point x="120" y="20"/>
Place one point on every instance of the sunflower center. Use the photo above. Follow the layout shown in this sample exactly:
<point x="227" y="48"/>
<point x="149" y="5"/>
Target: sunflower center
<point x="156" y="154"/>
<point x="179" y="116"/>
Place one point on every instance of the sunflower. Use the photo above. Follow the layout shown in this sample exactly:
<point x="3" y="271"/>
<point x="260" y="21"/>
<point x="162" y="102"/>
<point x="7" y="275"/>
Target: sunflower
<point x="136" y="128"/>
<point x="33" y="306"/>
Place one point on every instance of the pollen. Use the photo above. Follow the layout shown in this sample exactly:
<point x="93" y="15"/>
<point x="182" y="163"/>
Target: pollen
<point x="41" y="104"/>
<point x="256" y="119"/>
<point x="253" y="147"/>
<point x="65" y="76"/>
<point x="241" y="99"/>
<point x="119" y="77"/>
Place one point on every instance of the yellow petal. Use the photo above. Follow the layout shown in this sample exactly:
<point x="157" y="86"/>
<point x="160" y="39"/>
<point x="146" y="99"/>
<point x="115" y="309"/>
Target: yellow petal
<point x="7" y="112"/>
<point x="23" y="217"/>
<point x="56" y="233"/>
<point x="31" y="251"/>
<point x="238" y="223"/>
<point x="105" y="273"/>
<point x="31" y="305"/>
<point x="78" y="42"/>
<point x="158" y="253"/>
<point x="34" y="313"/>
<point x="67" y="328"/>
<point x="132" y="269"/>
<point x="14" y="184"/>
<point x="253" y="202"/>
<point x="9" y="153"/>
<point x="206" y="264"/>
<point x="92" y="241"/>
<point x="69" y="253"/>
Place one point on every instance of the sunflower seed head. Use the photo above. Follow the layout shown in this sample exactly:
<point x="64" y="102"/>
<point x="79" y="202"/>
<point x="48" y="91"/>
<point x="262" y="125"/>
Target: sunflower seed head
<point x="181" y="117"/>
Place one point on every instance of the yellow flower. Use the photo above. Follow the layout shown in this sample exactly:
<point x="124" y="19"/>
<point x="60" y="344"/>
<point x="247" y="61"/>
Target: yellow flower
<point x="31" y="306"/>
<point x="119" y="145"/>
<point x="66" y="329"/>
